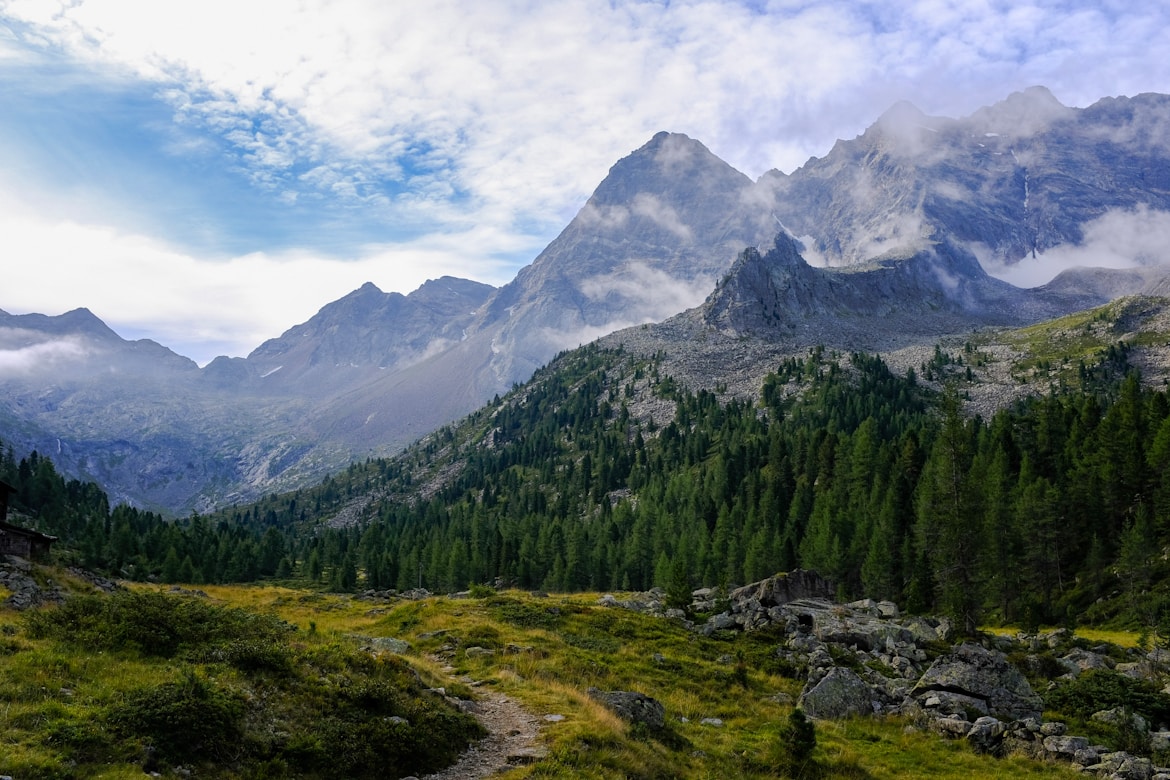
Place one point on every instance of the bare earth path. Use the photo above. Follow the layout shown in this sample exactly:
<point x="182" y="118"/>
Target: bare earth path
<point x="511" y="740"/>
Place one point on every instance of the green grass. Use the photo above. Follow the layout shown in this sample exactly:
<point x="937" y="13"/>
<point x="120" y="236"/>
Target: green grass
<point x="143" y="680"/>
<point x="59" y="700"/>
<point x="1055" y="348"/>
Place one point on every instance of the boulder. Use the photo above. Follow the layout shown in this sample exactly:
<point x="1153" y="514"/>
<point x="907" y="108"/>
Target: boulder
<point x="1065" y="748"/>
<point x="986" y="735"/>
<point x="983" y="675"/>
<point x="1121" y="718"/>
<point x="632" y="707"/>
<point x="782" y="589"/>
<point x="1078" y="660"/>
<point x="838" y="694"/>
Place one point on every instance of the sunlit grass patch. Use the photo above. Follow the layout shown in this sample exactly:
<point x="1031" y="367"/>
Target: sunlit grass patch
<point x="1107" y="636"/>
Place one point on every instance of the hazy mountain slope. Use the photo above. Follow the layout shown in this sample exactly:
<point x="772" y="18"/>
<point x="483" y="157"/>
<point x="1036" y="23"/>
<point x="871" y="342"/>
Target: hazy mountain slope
<point x="369" y="329"/>
<point x="651" y="241"/>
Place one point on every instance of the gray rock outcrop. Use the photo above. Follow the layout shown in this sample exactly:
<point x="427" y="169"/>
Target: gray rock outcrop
<point x="985" y="678"/>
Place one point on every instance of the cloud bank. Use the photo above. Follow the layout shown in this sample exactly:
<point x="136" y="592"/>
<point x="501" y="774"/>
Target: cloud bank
<point x="1118" y="239"/>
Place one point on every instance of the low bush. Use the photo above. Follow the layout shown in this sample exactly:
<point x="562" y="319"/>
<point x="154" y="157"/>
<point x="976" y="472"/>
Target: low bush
<point x="155" y="624"/>
<point x="1102" y="689"/>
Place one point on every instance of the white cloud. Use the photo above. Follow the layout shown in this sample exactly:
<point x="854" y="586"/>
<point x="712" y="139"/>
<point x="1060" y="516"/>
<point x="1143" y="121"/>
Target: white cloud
<point x="661" y="214"/>
<point x="23" y="351"/>
<point x="655" y="293"/>
<point x="1120" y="238"/>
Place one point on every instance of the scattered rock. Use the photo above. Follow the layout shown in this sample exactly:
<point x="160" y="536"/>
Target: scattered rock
<point x="475" y="651"/>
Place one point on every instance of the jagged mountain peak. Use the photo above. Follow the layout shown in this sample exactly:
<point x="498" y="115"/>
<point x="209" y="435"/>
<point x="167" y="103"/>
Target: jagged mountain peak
<point x="658" y="167"/>
<point x="371" y="329"/>
<point x="1022" y="113"/>
<point x="78" y="322"/>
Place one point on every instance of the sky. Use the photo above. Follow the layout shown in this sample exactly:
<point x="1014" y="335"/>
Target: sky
<point x="209" y="174"/>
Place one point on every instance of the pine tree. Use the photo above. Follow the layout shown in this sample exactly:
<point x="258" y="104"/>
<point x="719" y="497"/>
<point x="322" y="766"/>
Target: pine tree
<point x="949" y="531"/>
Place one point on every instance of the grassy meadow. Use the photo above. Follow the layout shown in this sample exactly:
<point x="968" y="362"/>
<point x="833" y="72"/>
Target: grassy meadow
<point x="66" y="706"/>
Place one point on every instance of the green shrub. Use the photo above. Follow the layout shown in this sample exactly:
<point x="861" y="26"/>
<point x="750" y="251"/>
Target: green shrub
<point x="189" y="720"/>
<point x="152" y="623"/>
<point x="481" y="591"/>
<point x="794" y="746"/>
<point x="251" y="655"/>
<point x="527" y="614"/>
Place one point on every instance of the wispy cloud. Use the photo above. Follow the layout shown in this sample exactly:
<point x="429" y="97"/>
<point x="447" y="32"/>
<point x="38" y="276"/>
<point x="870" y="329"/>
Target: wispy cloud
<point x="23" y="351"/>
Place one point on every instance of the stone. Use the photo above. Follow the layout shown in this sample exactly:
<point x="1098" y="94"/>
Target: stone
<point x="782" y="589"/>
<point x="716" y="722"/>
<point x="1065" y="748"/>
<point x="1159" y="741"/>
<point x="1078" y="661"/>
<point x="951" y="727"/>
<point x="478" y="652"/>
<point x="986" y="735"/>
<point x="1122" y="718"/>
<point x="1086" y="756"/>
<point x="985" y="675"/>
<point x="839" y="694"/>
<point x="632" y="706"/>
<point x="720" y="622"/>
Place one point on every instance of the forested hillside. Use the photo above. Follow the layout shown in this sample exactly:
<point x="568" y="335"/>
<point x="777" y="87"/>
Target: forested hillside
<point x="603" y="473"/>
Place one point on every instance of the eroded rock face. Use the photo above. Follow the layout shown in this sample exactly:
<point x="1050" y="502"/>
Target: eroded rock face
<point x="985" y="676"/>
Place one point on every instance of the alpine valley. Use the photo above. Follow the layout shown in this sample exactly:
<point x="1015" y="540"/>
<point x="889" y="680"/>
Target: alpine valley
<point x="703" y="381"/>
<point x="881" y="246"/>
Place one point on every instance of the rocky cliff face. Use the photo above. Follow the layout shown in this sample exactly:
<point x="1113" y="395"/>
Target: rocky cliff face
<point x="1017" y="178"/>
<point x="777" y="297"/>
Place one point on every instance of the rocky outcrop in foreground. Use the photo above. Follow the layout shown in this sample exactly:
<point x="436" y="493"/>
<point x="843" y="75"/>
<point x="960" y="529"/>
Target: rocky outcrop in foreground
<point x="866" y="658"/>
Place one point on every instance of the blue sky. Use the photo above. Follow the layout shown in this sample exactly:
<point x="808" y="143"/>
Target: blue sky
<point x="209" y="174"/>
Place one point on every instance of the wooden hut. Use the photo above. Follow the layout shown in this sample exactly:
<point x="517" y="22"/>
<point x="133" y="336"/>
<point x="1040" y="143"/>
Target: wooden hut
<point x="22" y="542"/>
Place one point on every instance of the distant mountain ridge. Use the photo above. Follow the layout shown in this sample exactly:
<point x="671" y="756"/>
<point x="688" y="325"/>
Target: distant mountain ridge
<point x="906" y="217"/>
<point x="1019" y="177"/>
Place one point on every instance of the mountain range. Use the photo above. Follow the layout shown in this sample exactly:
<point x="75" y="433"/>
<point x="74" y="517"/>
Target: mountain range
<point x="882" y="244"/>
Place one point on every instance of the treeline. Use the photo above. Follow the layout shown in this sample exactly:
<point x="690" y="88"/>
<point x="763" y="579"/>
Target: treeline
<point x="570" y="483"/>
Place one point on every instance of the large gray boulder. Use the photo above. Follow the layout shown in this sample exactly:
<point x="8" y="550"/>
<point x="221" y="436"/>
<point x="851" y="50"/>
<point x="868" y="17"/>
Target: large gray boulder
<point x="985" y="676"/>
<point x="632" y="707"/>
<point x="838" y="694"/>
